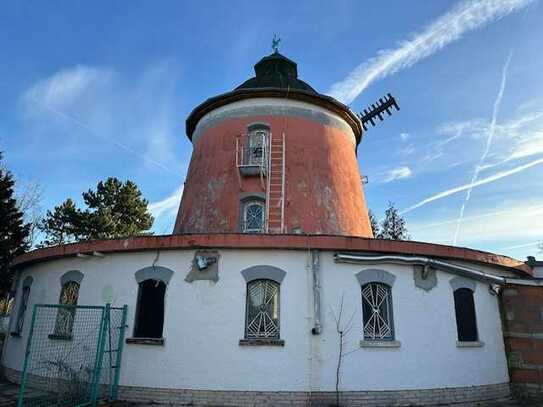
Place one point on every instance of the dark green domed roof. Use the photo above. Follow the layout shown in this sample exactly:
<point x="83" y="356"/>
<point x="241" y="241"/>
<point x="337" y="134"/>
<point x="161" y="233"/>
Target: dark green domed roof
<point x="276" y="71"/>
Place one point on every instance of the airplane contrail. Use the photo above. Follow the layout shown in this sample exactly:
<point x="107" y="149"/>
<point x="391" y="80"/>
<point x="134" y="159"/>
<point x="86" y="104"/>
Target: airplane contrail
<point x="490" y="137"/>
<point x="480" y="182"/>
<point x="451" y="26"/>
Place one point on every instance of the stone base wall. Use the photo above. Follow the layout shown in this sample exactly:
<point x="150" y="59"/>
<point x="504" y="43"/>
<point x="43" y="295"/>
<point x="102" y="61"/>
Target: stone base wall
<point x="522" y="315"/>
<point x="314" y="399"/>
<point x="348" y="398"/>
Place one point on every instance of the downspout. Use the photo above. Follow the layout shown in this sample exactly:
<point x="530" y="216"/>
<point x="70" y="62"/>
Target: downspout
<point x="315" y="270"/>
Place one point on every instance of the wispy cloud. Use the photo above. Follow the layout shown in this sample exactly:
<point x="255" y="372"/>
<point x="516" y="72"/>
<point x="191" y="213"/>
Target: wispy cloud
<point x="404" y="136"/>
<point x="167" y="206"/>
<point x="507" y="228"/>
<point x="137" y="115"/>
<point x="465" y="17"/>
<point x="165" y="210"/>
<point x="478" y="183"/>
<point x="489" y="139"/>
<point x="395" y="174"/>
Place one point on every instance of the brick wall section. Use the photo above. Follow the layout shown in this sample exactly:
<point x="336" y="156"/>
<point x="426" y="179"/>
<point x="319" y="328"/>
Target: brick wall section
<point x="522" y="315"/>
<point x="316" y="399"/>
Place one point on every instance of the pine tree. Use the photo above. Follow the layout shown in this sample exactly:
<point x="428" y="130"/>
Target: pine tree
<point x="114" y="209"/>
<point x="393" y="227"/>
<point x="62" y="225"/>
<point x="374" y="224"/>
<point x="13" y="231"/>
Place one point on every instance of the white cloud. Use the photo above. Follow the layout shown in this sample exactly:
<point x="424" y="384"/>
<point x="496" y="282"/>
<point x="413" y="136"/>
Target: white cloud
<point x="138" y="116"/>
<point x="462" y="18"/>
<point x="66" y="86"/>
<point x="494" y="230"/>
<point x="480" y="182"/>
<point x="396" y="174"/>
<point x="404" y="136"/>
<point x="168" y="206"/>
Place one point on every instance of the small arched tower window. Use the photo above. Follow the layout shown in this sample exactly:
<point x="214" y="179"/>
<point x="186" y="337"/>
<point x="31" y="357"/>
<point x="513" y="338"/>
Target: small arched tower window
<point x="23" y="305"/>
<point x="466" y="323"/>
<point x="257" y="140"/>
<point x="69" y="295"/>
<point x="377" y="312"/>
<point x="253" y="217"/>
<point x="262" y="314"/>
<point x="150" y="309"/>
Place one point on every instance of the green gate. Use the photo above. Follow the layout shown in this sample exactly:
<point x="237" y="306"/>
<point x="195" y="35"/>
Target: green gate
<point x="73" y="355"/>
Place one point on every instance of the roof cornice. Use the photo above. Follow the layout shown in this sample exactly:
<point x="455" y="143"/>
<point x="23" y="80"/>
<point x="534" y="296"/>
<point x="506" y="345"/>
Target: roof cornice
<point x="324" y="101"/>
<point x="263" y="241"/>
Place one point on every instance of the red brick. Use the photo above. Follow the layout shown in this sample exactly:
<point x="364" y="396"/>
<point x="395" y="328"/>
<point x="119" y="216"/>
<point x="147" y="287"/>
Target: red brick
<point x="519" y="344"/>
<point x="525" y="376"/>
<point x="533" y="358"/>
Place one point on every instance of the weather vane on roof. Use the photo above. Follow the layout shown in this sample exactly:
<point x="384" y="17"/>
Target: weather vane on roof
<point x="275" y="43"/>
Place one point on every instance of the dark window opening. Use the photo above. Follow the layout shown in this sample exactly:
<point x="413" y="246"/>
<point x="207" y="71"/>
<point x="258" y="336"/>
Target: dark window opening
<point x="464" y="308"/>
<point x="150" y="309"/>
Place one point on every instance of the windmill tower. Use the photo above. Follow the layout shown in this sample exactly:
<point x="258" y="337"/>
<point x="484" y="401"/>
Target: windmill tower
<point x="274" y="156"/>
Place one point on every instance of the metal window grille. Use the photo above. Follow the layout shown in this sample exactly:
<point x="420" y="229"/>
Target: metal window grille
<point x="253" y="215"/>
<point x="257" y="140"/>
<point x="377" y="312"/>
<point x="262" y="315"/>
<point x="66" y="315"/>
<point x="22" y="310"/>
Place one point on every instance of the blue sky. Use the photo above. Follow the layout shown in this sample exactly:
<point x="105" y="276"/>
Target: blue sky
<point x="96" y="89"/>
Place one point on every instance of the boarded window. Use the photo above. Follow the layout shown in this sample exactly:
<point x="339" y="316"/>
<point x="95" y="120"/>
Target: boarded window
<point x="464" y="307"/>
<point x="262" y="314"/>
<point x="22" y="310"/>
<point x="69" y="295"/>
<point x="150" y="309"/>
<point x="377" y="312"/>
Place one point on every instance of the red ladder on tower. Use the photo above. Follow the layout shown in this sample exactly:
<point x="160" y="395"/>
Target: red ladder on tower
<point x="275" y="191"/>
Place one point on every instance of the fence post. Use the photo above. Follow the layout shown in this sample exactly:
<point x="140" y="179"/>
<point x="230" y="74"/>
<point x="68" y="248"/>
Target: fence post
<point x="99" y="356"/>
<point x="27" y="355"/>
<point x="120" y="346"/>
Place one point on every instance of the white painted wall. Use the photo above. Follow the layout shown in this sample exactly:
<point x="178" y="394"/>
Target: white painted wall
<point x="204" y="322"/>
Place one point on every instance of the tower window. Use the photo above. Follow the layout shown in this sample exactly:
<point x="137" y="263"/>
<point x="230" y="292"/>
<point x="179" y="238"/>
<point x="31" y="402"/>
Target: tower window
<point x="464" y="307"/>
<point x="377" y="312"/>
<point x="22" y="310"/>
<point x="257" y="141"/>
<point x="253" y="217"/>
<point x="150" y="309"/>
<point x="262" y="314"/>
<point x="69" y="295"/>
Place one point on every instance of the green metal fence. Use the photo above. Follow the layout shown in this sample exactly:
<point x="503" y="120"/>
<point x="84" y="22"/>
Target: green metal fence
<point x="73" y="355"/>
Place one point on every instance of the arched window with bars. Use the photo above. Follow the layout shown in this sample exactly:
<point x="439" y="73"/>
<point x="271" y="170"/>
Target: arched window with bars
<point x="253" y="215"/>
<point x="262" y="310"/>
<point x="377" y="312"/>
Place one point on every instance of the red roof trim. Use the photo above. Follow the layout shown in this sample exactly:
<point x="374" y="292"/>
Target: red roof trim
<point x="254" y="241"/>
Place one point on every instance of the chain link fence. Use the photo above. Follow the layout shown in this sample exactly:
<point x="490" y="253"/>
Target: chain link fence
<point x="73" y="355"/>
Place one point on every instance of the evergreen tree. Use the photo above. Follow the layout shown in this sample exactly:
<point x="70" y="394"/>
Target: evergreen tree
<point x="374" y="224"/>
<point x="13" y="231"/>
<point x="393" y="227"/>
<point x="114" y="209"/>
<point x="62" y="225"/>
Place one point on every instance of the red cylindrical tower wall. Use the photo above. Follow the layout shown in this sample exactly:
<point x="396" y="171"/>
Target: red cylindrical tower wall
<point x="323" y="189"/>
